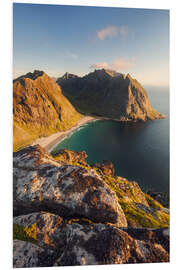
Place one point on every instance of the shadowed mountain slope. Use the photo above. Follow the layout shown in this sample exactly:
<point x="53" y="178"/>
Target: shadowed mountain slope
<point x="109" y="94"/>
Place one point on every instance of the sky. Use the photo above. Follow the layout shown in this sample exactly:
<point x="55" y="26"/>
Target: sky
<point x="57" y="39"/>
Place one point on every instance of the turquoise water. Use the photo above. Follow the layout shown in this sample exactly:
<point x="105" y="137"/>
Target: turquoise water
<point x="139" y="151"/>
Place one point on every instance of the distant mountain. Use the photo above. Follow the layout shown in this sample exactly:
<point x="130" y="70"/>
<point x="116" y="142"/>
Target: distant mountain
<point x="66" y="76"/>
<point x="39" y="108"/>
<point x="109" y="94"/>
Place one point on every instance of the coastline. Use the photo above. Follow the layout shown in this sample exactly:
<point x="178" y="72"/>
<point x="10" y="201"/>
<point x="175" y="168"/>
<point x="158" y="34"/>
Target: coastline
<point x="51" y="141"/>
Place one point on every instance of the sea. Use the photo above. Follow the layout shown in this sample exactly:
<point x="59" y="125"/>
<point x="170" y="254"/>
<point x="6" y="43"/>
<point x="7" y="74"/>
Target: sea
<point x="139" y="151"/>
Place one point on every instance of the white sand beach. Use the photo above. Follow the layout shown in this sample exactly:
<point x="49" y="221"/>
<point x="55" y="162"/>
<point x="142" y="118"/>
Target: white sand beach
<point x="51" y="141"/>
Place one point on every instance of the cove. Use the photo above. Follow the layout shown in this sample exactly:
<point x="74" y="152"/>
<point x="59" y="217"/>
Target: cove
<point x="139" y="151"/>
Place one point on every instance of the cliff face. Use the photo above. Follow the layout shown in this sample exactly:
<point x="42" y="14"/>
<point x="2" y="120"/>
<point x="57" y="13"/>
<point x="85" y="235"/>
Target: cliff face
<point x="39" y="108"/>
<point x="109" y="94"/>
<point x="67" y="212"/>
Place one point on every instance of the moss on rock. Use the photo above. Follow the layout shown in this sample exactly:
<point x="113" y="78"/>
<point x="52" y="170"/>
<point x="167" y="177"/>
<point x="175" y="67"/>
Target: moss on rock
<point x="25" y="233"/>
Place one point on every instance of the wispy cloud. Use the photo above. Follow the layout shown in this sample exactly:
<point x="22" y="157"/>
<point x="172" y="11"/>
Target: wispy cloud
<point x="117" y="64"/>
<point x="112" y="31"/>
<point x="99" y="65"/>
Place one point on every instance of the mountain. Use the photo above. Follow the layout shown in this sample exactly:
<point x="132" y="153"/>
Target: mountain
<point x="109" y="94"/>
<point x="65" y="77"/>
<point x="39" y="108"/>
<point x="67" y="212"/>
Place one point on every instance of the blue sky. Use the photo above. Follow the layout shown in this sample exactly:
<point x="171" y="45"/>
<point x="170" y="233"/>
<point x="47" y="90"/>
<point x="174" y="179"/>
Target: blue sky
<point x="77" y="39"/>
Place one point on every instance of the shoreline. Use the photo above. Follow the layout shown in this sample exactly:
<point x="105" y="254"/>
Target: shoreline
<point x="48" y="143"/>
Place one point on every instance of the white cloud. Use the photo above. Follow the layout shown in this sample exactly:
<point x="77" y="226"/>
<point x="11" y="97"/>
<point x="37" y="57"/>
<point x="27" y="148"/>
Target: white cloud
<point x="99" y="65"/>
<point x="117" y="64"/>
<point x="112" y="31"/>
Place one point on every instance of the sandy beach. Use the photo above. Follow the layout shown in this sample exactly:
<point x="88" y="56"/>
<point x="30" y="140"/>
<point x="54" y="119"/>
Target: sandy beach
<point x="51" y="141"/>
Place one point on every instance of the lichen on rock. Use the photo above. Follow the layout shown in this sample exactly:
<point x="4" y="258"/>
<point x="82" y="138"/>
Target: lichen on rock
<point x="67" y="212"/>
<point x="66" y="190"/>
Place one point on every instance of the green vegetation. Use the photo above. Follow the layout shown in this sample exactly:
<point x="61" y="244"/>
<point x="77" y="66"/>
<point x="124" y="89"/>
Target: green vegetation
<point x="152" y="202"/>
<point x="140" y="209"/>
<point x="25" y="233"/>
<point x="158" y="219"/>
<point x="128" y="194"/>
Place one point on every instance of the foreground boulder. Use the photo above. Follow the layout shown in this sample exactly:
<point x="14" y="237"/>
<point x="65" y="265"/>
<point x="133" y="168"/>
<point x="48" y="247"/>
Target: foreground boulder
<point x="103" y="244"/>
<point x="76" y="242"/>
<point x="43" y="184"/>
<point x="27" y="254"/>
<point x="67" y="212"/>
<point x="39" y="228"/>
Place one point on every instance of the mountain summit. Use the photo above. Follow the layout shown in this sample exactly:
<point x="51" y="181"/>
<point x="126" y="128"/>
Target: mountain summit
<point x="39" y="108"/>
<point x="111" y="95"/>
<point x="66" y="76"/>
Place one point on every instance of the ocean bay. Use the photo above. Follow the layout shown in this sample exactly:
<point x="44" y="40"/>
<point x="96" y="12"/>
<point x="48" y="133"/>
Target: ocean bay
<point x="139" y="151"/>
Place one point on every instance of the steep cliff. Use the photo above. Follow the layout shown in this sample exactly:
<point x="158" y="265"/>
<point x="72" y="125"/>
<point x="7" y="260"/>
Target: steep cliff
<point x="39" y="108"/>
<point x="109" y="94"/>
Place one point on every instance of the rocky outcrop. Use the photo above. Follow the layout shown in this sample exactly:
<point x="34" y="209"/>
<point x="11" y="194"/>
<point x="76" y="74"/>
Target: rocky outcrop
<point x="71" y="157"/>
<point x="110" y="95"/>
<point x="102" y="244"/>
<point x="161" y="197"/>
<point x="69" y="191"/>
<point x="27" y="254"/>
<point x="39" y="108"/>
<point x="64" y="243"/>
<point x="67" y="212"/>
<point x="106" y="167"/>
<point x="66" y="76"/>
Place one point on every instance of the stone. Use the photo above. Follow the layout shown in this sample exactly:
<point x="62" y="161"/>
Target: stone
<point x="45" y="227"/>
<point x="43" y="184"/>
<point x="26" y="254"/>
<point x="102" y="244"/>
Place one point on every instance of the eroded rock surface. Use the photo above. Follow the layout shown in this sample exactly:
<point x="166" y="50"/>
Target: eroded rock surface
<point x="26" y="254"/>
<point x="67" y="212"/>
<point x="43" y="184"/>
<point x="88" y="244"/>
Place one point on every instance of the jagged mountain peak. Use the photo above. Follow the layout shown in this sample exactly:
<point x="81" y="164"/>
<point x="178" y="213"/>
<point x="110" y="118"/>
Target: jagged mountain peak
<point x="66" y="76"/>
<point x="31" y="75"/>
<point x="110" y="94"/>
<point x="39" y="108"/>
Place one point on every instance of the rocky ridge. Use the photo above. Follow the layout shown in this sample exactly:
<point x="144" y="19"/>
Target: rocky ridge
<point x="39" y="108"/>
<point x="67" y="212"/>
<point x="109" y="94"/>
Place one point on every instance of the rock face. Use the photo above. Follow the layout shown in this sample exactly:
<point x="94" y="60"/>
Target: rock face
<point x="66" y="76"/>
<point x="141" y="210"/>
<point x="71" y="157"/>
<point x="161" y="197"/>
<point x="67" y="212"/>
<point x="58" y="243"/>
<point x="26" y="254"/>
<point x="39" y="108"/>
<point x="106" y="167"/>
<point x="70" y="191"/>
<point x="110" y="95"/>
